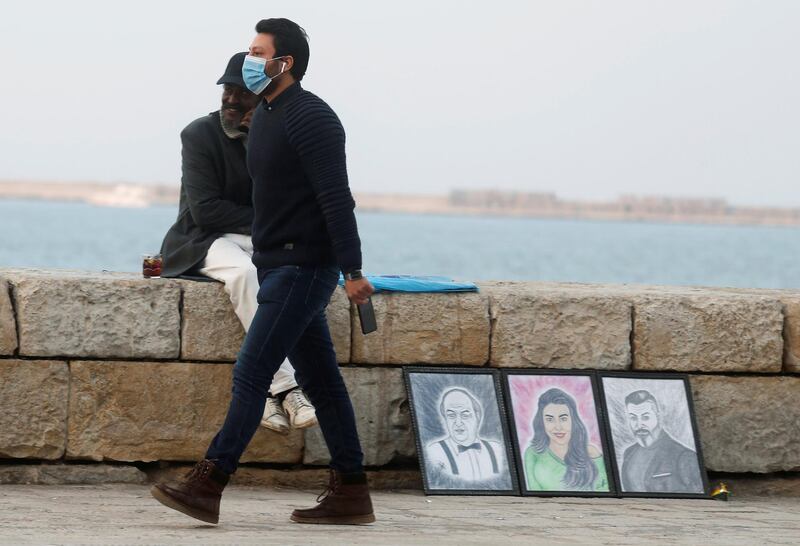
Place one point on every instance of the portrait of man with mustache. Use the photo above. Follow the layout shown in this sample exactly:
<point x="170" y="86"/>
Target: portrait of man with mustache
<point x="464" y="454"/>
<point x="656" y="462"/>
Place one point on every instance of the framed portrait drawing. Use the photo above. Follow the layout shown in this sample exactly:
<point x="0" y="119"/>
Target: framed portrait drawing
<point x="654" y="443"/>
<point x="461" y="432"/>
<point x="558" y="433"/>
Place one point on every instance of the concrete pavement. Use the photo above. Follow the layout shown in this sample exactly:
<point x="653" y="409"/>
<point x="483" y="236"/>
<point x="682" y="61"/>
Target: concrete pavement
<point x="126" y="514"/>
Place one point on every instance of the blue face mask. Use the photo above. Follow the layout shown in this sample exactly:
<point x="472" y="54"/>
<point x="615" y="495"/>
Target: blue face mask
<point x="254" y="73"/>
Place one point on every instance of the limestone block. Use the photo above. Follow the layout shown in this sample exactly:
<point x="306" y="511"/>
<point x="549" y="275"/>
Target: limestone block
<point x="70" y="474"/>
<point x="713" y="332"/>
<point x="8" y="324"/>
<point x="425" y="329"/>
<point x="300" y="478"/>
<point x="791" y="335"/>
<point x="212" y="331"/>
<point x="140" y="411"/>
<point x="317" y="478"/>
<point x="97" y="316"/>
<point x="33" y="408"/>
<point x="790" y="299"/>
<point x="552" y="326"/>
<point x="748" y="424"/>
<point x="382" y="418"/>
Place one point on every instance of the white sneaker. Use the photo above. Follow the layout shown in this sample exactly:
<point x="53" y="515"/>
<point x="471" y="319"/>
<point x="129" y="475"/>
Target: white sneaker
<point x="301" y="412"/>
<point x="274" y="417"/>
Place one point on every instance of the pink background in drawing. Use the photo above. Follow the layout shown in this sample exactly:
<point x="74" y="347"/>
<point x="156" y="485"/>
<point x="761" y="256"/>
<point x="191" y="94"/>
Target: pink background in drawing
<point x="525" y="391"/>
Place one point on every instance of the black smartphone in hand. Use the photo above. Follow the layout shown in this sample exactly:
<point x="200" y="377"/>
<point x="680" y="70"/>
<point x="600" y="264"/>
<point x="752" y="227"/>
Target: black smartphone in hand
<point x="366" y="315"/>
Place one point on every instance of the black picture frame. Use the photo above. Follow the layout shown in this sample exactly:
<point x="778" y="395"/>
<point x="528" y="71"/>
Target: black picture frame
<point x="692" y="422"/>
<point x="602" y="431"/>
<point x="432" y="488"/>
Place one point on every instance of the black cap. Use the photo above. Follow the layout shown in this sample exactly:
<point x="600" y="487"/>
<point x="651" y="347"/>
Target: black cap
<point x="233" y="73"/>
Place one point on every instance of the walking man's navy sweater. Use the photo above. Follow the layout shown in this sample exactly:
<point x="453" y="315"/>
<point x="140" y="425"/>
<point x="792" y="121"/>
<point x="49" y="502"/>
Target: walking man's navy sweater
<point x="301" y="198"/>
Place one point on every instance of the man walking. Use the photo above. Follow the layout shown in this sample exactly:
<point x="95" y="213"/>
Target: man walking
<point x="304" y="233"/>
<point x="212" y="233"/>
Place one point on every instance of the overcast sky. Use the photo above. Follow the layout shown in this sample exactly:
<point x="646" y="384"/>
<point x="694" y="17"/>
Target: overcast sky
<point x="586" y="99"/>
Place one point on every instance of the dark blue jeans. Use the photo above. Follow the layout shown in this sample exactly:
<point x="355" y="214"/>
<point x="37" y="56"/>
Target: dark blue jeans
<point x="290" y="320"/>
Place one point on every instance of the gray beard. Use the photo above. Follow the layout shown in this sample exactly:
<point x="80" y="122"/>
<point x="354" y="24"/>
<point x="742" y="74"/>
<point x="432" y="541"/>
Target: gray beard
<point x="647" y="441"/>
<point x="231" y="130"/>
<point x="228" y="125"/>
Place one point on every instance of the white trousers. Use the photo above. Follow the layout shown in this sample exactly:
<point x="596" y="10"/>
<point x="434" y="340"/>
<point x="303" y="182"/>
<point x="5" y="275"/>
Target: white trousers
<point x="229" y="260"/>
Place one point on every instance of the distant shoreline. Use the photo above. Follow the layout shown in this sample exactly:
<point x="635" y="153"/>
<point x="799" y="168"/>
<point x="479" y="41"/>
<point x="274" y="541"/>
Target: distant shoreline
<point x="484" y="203"/>
<point x="502" y="204"/>
<point x="94" y="193"/>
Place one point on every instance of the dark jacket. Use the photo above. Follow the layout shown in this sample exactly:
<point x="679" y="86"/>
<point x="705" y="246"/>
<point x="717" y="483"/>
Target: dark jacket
<point x="216" y="195"/>
<point x="303" y="206"/>
<point x="666" y="466"/>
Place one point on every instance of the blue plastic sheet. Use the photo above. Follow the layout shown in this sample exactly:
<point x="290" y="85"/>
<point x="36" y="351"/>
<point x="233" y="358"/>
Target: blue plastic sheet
<point x="413" y="283"/>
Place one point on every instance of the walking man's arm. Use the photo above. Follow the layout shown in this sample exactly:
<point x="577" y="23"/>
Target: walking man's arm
<point x="319" y="139"/>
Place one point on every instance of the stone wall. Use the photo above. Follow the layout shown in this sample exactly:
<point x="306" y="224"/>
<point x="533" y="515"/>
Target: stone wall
<point x="114" y="368"/>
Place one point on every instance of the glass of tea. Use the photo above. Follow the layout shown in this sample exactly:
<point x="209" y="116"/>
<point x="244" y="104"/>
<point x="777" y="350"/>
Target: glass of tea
<point x="151" y="266"/>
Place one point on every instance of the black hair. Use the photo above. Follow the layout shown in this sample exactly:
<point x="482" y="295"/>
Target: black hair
<point x="640" y="397"/>
<point x="289" y="39"/>
<point x="475" y="404"/>
<point x="581" y="471"/>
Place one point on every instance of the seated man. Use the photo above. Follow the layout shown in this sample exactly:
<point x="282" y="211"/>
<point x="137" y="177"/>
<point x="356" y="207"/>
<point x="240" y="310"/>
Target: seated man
<point x="212" y="233"/>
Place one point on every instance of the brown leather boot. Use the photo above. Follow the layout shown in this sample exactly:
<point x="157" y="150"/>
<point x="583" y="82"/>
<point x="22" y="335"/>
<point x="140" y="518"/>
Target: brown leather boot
<point x="345" y="502"/>
<point x="197" y="494"/>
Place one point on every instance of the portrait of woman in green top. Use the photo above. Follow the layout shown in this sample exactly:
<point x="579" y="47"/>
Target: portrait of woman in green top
<point x="560" y="456"/>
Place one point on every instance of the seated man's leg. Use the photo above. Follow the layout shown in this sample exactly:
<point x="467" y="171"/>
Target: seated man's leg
<point x="228" y="262"/>
<point x="292" y="400"/>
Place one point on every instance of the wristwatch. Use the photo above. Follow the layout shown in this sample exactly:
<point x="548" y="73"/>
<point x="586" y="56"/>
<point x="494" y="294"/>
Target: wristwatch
<point x="353" y="275"/>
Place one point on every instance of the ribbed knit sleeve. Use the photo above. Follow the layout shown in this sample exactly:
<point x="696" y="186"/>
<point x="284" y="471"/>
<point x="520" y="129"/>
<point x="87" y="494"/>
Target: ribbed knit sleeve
<point x="317" y="135"/>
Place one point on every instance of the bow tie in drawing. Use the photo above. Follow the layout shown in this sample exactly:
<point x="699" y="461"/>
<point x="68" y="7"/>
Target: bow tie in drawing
<point x="476" y="446"/>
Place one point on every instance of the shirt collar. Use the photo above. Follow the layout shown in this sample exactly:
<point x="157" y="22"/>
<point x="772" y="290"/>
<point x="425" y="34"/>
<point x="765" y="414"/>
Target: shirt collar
<point x="287" y="94"/>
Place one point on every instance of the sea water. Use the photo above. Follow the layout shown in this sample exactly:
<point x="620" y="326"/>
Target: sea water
<point x="81" y="236"/>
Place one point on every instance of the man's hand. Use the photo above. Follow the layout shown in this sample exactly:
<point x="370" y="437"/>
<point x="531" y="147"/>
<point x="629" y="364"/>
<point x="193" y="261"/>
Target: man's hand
<point x="247" y="118"/>
<point x="359" y="291"/>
